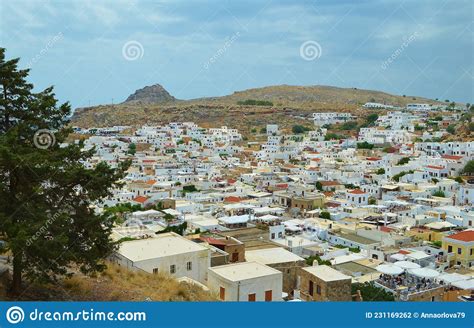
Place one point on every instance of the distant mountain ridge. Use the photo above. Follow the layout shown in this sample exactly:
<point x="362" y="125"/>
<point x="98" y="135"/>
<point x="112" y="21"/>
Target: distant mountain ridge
<point x="283" y="104"/>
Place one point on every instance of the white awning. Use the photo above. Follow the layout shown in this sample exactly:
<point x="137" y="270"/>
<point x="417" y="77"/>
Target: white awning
<point x="424" y="273"/>
<point x="464" y="284"/>
<point x="449" y="278"/>
<point x="398" y="257"/>
<point x="407" y="265"/>
<point x="389" y="269"/>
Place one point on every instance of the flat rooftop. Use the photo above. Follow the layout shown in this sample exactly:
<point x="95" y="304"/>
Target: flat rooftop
<point x="357" y="239"/>
<point x="167" y="244"/>
<point x="272" y="256"/>
<point x="244" y="271"/>
<point x="326" y="273"/>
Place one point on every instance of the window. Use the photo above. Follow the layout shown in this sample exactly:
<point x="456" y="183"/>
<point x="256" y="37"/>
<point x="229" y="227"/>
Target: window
<point x="222" y="293"/>
<point x="459" y="250"/>
<point x="450" y="249"/>
<point x="235" y="257"/>
<point x="155" y="270"/>
<point x="318" y="289"/>
<point x="471" y="251"/>
<point x="311" y="287"/>
<point x="252" y="297"/>
<point x="189" y="266"/>
<point x="172" y="268"/>
<point x="268" y="296"/>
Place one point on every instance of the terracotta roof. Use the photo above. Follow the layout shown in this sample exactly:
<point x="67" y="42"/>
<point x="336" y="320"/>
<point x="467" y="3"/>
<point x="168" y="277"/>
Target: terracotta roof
<point x="140" y="199"/>
<point x="232" y="199"/>
<point x="357" y="192"/>
<point x="329" y="183"/>
<point x="373" y="158"/>
<point x="456" y="158"/>
<point x="435" y="167"/>
<point x="467" y="235"/>
<point x="404" y="252"/>
<point x="151" y="182"/>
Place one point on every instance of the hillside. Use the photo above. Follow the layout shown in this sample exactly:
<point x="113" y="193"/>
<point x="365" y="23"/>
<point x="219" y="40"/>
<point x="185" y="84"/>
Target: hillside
<point x="114" y="284"/>
<point x="290" y="105"/>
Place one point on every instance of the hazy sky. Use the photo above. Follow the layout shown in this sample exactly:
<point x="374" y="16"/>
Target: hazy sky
<point x="96" y="51"/>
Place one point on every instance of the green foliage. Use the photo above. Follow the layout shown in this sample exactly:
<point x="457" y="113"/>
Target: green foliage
<point x="403" y="161"/>
<point x="47" y="218"/>
<point x="451" y="129"/>
<point x="458" y="180"/>
<point x="263" y="130"/>
<point x="372" y="293"/>
<point x="325" y="215"/>
<point x="372" y="201"/>
<point x="319" y="186"/>
<point x="364" y="145"/>
<point x="132" y="148"/>
<point x="189" y="188"/>
<point x="179" y="229"/>
<point x="471" y="126"/>
<point x="253" y="130"/>
<point x="253" y="102"/>
<point x="311" y="259"/>
<point x="381" y="171"/>
<point x="333" y="136"/>
<point x="397" y="177"/>
<point x="437" y="243"/>
<point x="351" y="125"/>
<point x="298" y="129"/>
<point x="372" y="118"/>
<point x="469" y="168"/>
<point x="352" y="249"/>
<point x="439" y="193"/>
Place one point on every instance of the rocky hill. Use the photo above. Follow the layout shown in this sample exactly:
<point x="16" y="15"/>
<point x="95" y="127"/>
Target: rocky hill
<point x="153" y="94"/>
<point x="284" y="105"/>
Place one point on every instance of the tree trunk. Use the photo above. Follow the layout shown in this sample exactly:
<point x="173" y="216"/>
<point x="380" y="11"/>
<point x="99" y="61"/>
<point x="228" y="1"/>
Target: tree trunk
<point x="17" y="269"/>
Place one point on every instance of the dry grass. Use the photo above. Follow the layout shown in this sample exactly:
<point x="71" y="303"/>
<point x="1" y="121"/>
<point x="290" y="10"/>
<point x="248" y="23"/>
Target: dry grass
<point x="115" y="284"/>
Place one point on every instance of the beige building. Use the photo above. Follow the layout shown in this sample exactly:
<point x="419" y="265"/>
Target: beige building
<point x="245" y="282"/>
<point x="323" y="283"/>
<point x="284" y="261"/>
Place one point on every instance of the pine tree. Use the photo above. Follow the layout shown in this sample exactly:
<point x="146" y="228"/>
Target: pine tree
<point x="47" y="220"/>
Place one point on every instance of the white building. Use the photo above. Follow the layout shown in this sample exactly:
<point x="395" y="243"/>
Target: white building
<point x="168" y="252"/>
<point x="418" y="106"/>
<point x="321" y="119"/>
<point x="246" y="282"/>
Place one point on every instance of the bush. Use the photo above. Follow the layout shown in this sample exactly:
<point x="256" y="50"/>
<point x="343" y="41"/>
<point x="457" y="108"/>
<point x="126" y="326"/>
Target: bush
<point x="371" y="293"/>
<point x="348" y="125"/>
<point x="298" y="129"/>
<point x="439" y="193"/>
<point x="311" y="259"/>
<point x="469" y="168"/>
<point x="254" y="102"/>
<point x="325" y="215"/>
<point x="381" y="171"/>
<point x="403" y="161"/>
<point x="364" y="145"/>
<point x="451" y="129"/>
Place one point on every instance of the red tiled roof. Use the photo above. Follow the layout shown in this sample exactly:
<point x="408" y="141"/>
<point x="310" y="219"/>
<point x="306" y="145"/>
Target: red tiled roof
<point x="282" y="185"/>
<point x="456" y="158"/>
<point x="357" y="192"/>
<point x="404" y="252"/>
<point x="467" y="235"/>
<point x="329" y="183"/>
<point x="373" y="158"/>
<point x="151" y="182"/>
<point x="231" y="181"/>
<point x="435" y="167"/>
<point x="140" y="199"/>
<point x="232" y="199"/>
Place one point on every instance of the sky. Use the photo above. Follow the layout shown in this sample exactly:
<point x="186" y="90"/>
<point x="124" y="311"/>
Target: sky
<point x="99" y="52"/>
